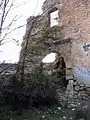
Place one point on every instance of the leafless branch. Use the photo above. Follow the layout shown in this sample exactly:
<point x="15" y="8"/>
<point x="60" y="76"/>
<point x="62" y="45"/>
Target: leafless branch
<point x="2" y="18"/>
<point x="8" y="10"/>
<point x="3" y="69"/>
<point x="7" y="6"/>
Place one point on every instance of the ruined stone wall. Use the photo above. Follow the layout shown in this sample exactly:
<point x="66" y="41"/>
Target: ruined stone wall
<point x="75" y="16"/>
<point x="70" y="38"/>
<point x="43" y="40"/>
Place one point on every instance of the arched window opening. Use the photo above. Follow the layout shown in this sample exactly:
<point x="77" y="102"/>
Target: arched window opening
<point x="54" y="64"/>
<point x="50" y="58"/>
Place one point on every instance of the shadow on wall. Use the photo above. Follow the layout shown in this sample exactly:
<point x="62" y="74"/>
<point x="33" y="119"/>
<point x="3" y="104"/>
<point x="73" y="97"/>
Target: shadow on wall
<point x="82" y="75"/>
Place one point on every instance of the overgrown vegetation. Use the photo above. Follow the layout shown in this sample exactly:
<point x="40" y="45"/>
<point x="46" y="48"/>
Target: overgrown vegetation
<point x="38" y="88"/>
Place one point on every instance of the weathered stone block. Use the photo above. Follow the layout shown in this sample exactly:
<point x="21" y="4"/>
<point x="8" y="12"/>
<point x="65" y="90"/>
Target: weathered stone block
<point x="75" y="83"/>
<point x="77" y="88"/>
<point x="69" y="77"/>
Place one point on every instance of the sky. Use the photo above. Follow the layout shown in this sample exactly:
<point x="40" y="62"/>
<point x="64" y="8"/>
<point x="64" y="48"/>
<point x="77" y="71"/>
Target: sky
<point x="9" y="51"/>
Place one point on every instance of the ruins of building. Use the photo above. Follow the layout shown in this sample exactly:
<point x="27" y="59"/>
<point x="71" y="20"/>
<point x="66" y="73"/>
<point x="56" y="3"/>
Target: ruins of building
<point x="63" y="27"/>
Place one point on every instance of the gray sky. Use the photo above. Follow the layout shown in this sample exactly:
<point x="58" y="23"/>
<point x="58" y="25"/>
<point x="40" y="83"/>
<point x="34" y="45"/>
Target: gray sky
<point x="10" y="51"/>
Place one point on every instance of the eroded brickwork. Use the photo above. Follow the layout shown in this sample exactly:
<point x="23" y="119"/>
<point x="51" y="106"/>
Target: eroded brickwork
<point x="71" y="38"/>
<point x="75" y="17"/>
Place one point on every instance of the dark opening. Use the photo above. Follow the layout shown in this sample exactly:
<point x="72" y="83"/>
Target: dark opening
<point x="60" y="67"/>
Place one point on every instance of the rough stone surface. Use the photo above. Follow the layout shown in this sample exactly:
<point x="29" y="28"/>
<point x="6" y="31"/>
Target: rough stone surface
<point x="79" y="103"/>
<point x="77" y="88"/>
<point x="71" y="32"/>
<point x="70" y="38"/>
<point x="43" y="40"/>
<point x="75" y="16"/>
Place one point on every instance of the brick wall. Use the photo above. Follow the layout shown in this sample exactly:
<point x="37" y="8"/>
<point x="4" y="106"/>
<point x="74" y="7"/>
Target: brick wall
<point x="75" y="16"/>
<point x="74" y="19"/>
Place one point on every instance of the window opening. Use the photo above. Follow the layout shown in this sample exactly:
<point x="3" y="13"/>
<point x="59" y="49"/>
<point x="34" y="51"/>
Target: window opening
<point x="50" y="58"/>
<point x="54" y="18"/>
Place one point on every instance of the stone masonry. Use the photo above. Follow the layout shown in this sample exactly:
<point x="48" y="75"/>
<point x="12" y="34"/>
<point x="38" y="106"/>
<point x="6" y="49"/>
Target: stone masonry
<point x="70" y="37"/>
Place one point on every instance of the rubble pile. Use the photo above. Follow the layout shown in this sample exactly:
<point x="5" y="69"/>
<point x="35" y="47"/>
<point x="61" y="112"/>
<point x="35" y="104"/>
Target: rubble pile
<point x="81" y="91"/>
